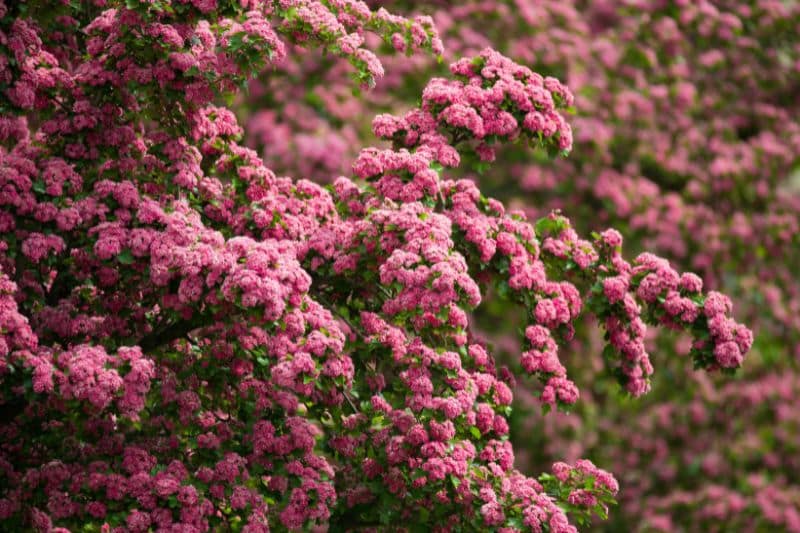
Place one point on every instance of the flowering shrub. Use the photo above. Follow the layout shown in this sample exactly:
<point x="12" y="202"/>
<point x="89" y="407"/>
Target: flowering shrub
<point x="686" y="141"/>
<point x="686" y="130"/>
<point x="192" y="343"/>
<point x="696" y="157"/>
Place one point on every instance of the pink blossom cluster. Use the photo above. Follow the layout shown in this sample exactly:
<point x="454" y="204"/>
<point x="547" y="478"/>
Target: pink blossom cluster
<point x="493" y="99"/>
<point x="627" y="296"/>
<point x="587" y="485"/>
<point x="341" y="27"/>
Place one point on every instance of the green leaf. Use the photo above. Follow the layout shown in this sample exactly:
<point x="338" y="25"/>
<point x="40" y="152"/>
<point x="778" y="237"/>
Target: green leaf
<point x="125" y="257"/>
<point x="424" y="515"/>
<point x="550" y="225"/>
<point x="482" y="166"/>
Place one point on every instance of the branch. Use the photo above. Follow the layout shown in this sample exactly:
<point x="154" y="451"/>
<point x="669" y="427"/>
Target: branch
<point x="59" y="289"/>
<point x="11" y="409"/>
<point x="170" y="333"/>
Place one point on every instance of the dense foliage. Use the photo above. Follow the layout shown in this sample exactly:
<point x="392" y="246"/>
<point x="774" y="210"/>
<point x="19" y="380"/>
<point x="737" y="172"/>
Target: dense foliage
<point x="686" y="140"/>
<point x="190" y="342"/>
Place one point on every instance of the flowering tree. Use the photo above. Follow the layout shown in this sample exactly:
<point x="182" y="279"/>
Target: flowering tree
<point x="686" y="140"/>
<point x="190" y="342"/>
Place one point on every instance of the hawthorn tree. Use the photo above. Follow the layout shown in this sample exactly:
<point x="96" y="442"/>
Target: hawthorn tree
<point x="192" y="343"/>
<point x="686" y="141"/>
